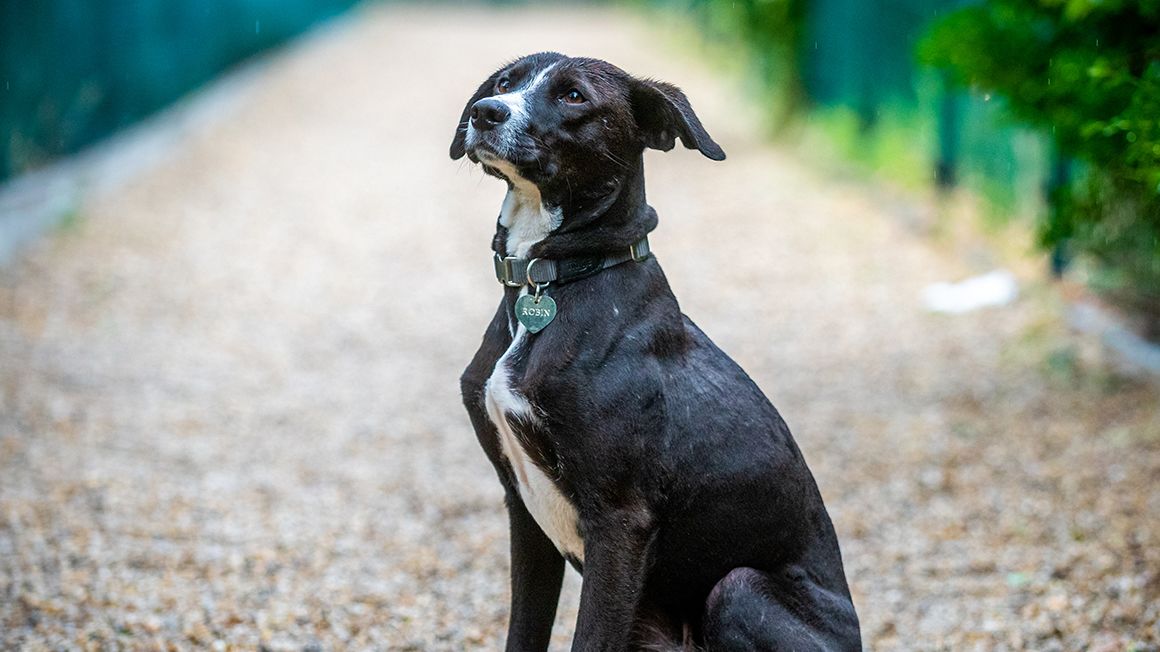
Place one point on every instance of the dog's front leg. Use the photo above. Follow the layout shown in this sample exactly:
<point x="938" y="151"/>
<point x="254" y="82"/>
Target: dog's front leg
<point x="616" y="557"/>
<point x="537" y="571"/>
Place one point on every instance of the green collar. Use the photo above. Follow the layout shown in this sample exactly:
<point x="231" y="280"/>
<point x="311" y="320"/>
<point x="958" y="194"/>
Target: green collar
<point x="516" y="272"/>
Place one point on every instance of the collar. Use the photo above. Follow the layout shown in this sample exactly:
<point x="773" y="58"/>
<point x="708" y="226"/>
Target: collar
<point x="516" y="272"/>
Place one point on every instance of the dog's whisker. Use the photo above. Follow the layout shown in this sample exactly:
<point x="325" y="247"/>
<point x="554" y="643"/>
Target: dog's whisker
<point x="610" y="156"/>
<point x="541" y="142"/>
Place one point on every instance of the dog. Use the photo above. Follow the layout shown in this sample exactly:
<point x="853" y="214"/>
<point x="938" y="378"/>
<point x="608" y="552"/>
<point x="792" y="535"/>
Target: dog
<point x="627" y="443"/>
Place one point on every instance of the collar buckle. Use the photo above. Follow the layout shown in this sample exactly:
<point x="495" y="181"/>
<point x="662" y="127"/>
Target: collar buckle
<point x="505" y="271"/>
<point x="639" y="250"/>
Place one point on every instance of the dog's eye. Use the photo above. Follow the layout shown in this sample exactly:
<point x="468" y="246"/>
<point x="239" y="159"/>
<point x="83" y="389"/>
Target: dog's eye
<point x="573" y="97"/>
<point x="504" y="85"/>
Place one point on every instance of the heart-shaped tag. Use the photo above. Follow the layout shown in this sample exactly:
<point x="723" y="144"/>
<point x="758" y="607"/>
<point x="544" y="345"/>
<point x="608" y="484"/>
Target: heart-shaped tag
<point x="535" y="313"/>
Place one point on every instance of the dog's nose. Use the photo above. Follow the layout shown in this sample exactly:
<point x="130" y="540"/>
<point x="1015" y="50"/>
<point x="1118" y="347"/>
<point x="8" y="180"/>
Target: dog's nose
<point x="487" y="113"/>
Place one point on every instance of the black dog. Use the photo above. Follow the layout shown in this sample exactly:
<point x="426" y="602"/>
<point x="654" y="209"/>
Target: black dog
<point x="626" y="441"/>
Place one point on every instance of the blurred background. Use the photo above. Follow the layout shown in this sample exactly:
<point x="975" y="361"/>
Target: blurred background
<point x="228" y="418"/>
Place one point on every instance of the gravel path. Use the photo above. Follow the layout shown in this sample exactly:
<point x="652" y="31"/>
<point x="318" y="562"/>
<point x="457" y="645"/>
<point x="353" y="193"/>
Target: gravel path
<point x="229" y="413"/>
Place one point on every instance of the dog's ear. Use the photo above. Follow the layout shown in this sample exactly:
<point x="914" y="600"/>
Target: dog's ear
<point x="663" y="114"/>
<point x="486" y="89"/>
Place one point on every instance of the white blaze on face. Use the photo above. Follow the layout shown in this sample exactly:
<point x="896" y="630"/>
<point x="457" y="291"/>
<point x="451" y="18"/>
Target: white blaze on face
<point x="517" y="103"/>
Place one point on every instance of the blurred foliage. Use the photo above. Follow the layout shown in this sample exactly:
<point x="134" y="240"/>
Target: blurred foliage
<point x="1048" y="107"/>
<point x="847" y="69"/>
<point x="73" y="71"/>
<point x="855" y="53"/>
<point x="1088" y="73"/>
<point x="769" y="31"/>
<point x="774" y="30"/>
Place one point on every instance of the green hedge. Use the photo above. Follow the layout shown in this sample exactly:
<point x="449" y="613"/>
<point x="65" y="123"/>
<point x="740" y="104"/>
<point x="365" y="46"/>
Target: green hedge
<point x="1087" y="72"/>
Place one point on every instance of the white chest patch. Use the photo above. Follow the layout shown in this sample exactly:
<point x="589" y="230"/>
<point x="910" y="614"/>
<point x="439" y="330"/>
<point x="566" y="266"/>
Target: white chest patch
<point x="554" y="513"/>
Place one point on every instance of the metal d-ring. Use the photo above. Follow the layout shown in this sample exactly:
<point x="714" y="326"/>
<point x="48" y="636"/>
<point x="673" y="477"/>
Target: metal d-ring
<point x="539" y="287"/>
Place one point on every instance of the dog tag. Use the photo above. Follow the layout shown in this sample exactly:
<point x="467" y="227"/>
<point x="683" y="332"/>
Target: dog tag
<point x="535" y="312"/>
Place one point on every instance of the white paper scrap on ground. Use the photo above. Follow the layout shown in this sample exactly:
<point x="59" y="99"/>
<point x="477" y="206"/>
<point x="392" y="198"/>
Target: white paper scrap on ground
<point x="995" y="288"/>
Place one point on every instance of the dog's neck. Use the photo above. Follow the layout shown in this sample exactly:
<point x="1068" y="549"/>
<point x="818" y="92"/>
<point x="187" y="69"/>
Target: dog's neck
<point x="524" y="219"/>
<point x="587" y="222"/>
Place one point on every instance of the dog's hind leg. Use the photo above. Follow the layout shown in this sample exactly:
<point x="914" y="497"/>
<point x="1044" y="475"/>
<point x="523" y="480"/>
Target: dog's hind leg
<point x="751" y="610"/>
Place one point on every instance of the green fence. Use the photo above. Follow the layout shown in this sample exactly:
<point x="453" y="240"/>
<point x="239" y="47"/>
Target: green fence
<point x="857" y="58"/>
<point x="861" y="52"/>
<point x="73" y="71"/>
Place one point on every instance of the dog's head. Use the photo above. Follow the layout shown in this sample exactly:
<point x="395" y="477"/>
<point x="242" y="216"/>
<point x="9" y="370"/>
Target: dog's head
<point x="560" y="121"/>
